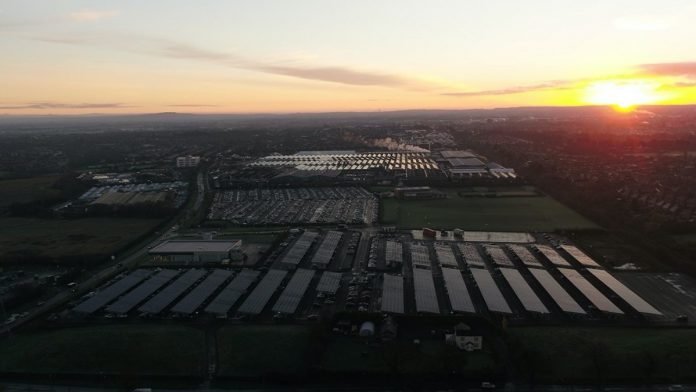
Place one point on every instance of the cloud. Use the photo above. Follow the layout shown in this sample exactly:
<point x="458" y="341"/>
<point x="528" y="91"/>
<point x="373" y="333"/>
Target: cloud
<point x="56" y="105"/>
<point x="169" y="49"/>
<point x="89" y="16"/>
<point x="333" y="74"/>
<point x="191" y="105"/>
<point x="553" y="85"/>
<point x="339" y="75"/>
<point x="684" y="69"/>
<point x="640" y="23"/>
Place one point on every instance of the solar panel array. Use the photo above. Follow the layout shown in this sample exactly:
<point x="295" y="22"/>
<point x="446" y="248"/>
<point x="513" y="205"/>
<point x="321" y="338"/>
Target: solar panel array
<point x="222" y="304"/>
<point x="126" y="303"/>
<point x="552" y="255"/>
<point x="300" y="248"/>
<point x="598" y="299"/>
<point x="624" y="292"/>
<point x="456" y="291"/>
<point x="292" y="295"/>
<point x="327" y="248"/>
<point x="445" y="255"/>
<point x="471" y="255"/>
<point x="525" y="256"/>
<point x="170" y="293"/>
<point x="329" y="282"/>
<point x="491" y="293"/>
<point x="580" y="256"/>
<point x="557" y="292"/>
<point x="103" y="297"/>
<point x="426" y="298"/>
<point x="394" y="252"/>
<point x="393" y="294"/>
<point x="198" y="295"/>
<point x="498" y="255"/>
<point x="257" y="300"/>
<point x="420" y="255"/>
<point x="524" y="293"/>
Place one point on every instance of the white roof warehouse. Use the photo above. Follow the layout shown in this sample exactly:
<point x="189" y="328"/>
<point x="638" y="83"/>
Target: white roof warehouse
<point x="197" y="250"/>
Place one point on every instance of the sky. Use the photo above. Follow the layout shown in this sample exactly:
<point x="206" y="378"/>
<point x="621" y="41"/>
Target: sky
<point x="74" y="57"/>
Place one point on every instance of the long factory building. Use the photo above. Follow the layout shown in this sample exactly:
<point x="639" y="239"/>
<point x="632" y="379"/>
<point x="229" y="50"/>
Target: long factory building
<point x="350" y="160"/>
<point x="578" y="288"/>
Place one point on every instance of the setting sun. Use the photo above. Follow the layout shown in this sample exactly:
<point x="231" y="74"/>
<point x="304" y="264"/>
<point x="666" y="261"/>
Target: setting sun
<point x="623" y="94"/>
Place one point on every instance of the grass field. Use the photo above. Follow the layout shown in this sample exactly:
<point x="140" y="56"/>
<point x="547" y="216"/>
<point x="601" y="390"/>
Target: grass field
<point x="27" y="190"/>
<point x="564" y="354"/>
<point x="32" y="237"/>
<point x="685" y="239"/>
<point x="349" y="355"/>
<point x="115" y="349"/>
<point x="540" y="213"/>
<point x="257" y="350"/>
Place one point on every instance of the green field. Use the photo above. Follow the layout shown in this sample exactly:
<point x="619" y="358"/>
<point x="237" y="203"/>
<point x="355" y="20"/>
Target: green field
<point x="581" y="354"/>
<point x="114" y="349"/>
<point x="24" y="238"/>
<point x="27" y="190"/>
<point x="685" y="239"/>
<point x="258" y="350"/>
<point x="349" y="355"/>
<point x="539" y="213"/>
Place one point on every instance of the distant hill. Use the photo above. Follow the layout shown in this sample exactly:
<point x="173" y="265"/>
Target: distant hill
<point x="174" y="120"/>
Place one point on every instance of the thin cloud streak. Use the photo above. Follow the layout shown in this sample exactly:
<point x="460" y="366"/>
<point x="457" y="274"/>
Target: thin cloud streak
<point x="176" y="50"/>
<point x="684" y="69"/>
<point x="553" y="85"/>
<point x="56" y="105"/>
<point x="191" y="105"/>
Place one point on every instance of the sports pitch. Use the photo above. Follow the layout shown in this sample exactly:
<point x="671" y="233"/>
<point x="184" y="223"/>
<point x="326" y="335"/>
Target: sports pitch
<point x="534" y="213"/>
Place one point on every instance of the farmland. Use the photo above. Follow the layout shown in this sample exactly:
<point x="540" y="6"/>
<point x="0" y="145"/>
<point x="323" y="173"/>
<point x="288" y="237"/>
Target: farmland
<point x="114" y="349"/>
<point x="41" y="239"/>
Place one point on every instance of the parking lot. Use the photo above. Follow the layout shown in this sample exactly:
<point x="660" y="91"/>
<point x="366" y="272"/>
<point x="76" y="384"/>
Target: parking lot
<point x="347" y="205"/>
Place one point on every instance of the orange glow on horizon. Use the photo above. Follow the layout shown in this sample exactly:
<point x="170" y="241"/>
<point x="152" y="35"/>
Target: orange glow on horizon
<point x="624" y="95"/>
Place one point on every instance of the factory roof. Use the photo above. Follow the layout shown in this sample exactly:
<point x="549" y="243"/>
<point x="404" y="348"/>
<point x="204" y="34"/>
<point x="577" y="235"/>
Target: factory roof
<point x="190" y="246"/>
<point x="457" y="154"/>
<point x="466" y="162"/>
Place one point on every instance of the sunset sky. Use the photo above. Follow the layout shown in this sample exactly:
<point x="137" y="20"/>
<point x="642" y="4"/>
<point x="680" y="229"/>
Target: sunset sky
<point x="67" y="57"/>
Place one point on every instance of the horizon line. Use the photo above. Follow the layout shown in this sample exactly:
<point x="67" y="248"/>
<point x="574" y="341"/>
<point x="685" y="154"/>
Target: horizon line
<point x="636" y="107"/>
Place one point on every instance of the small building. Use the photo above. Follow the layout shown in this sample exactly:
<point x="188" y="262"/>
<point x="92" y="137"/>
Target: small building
<point x="367" y="329"/>
<point x="197" y="251"/>
<point x="464" y="339"/>
<point x="429" y="232"/>
<point x="188" y="161"/>
<point x="388" y="329"/>
<point x="498" y="169"/>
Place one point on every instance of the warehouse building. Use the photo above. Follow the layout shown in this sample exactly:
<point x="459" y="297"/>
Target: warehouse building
<point x="188" y="161"/>
<point x="197" y="251"/>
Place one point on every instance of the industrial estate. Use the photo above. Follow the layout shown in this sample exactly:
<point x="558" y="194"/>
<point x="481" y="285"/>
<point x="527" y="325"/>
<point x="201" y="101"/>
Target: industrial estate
<point x="433" y="257"/>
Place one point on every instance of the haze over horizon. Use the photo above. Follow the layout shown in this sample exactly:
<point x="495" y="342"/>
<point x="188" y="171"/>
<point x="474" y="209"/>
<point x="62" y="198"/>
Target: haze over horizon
<point x="78" y="57"/>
